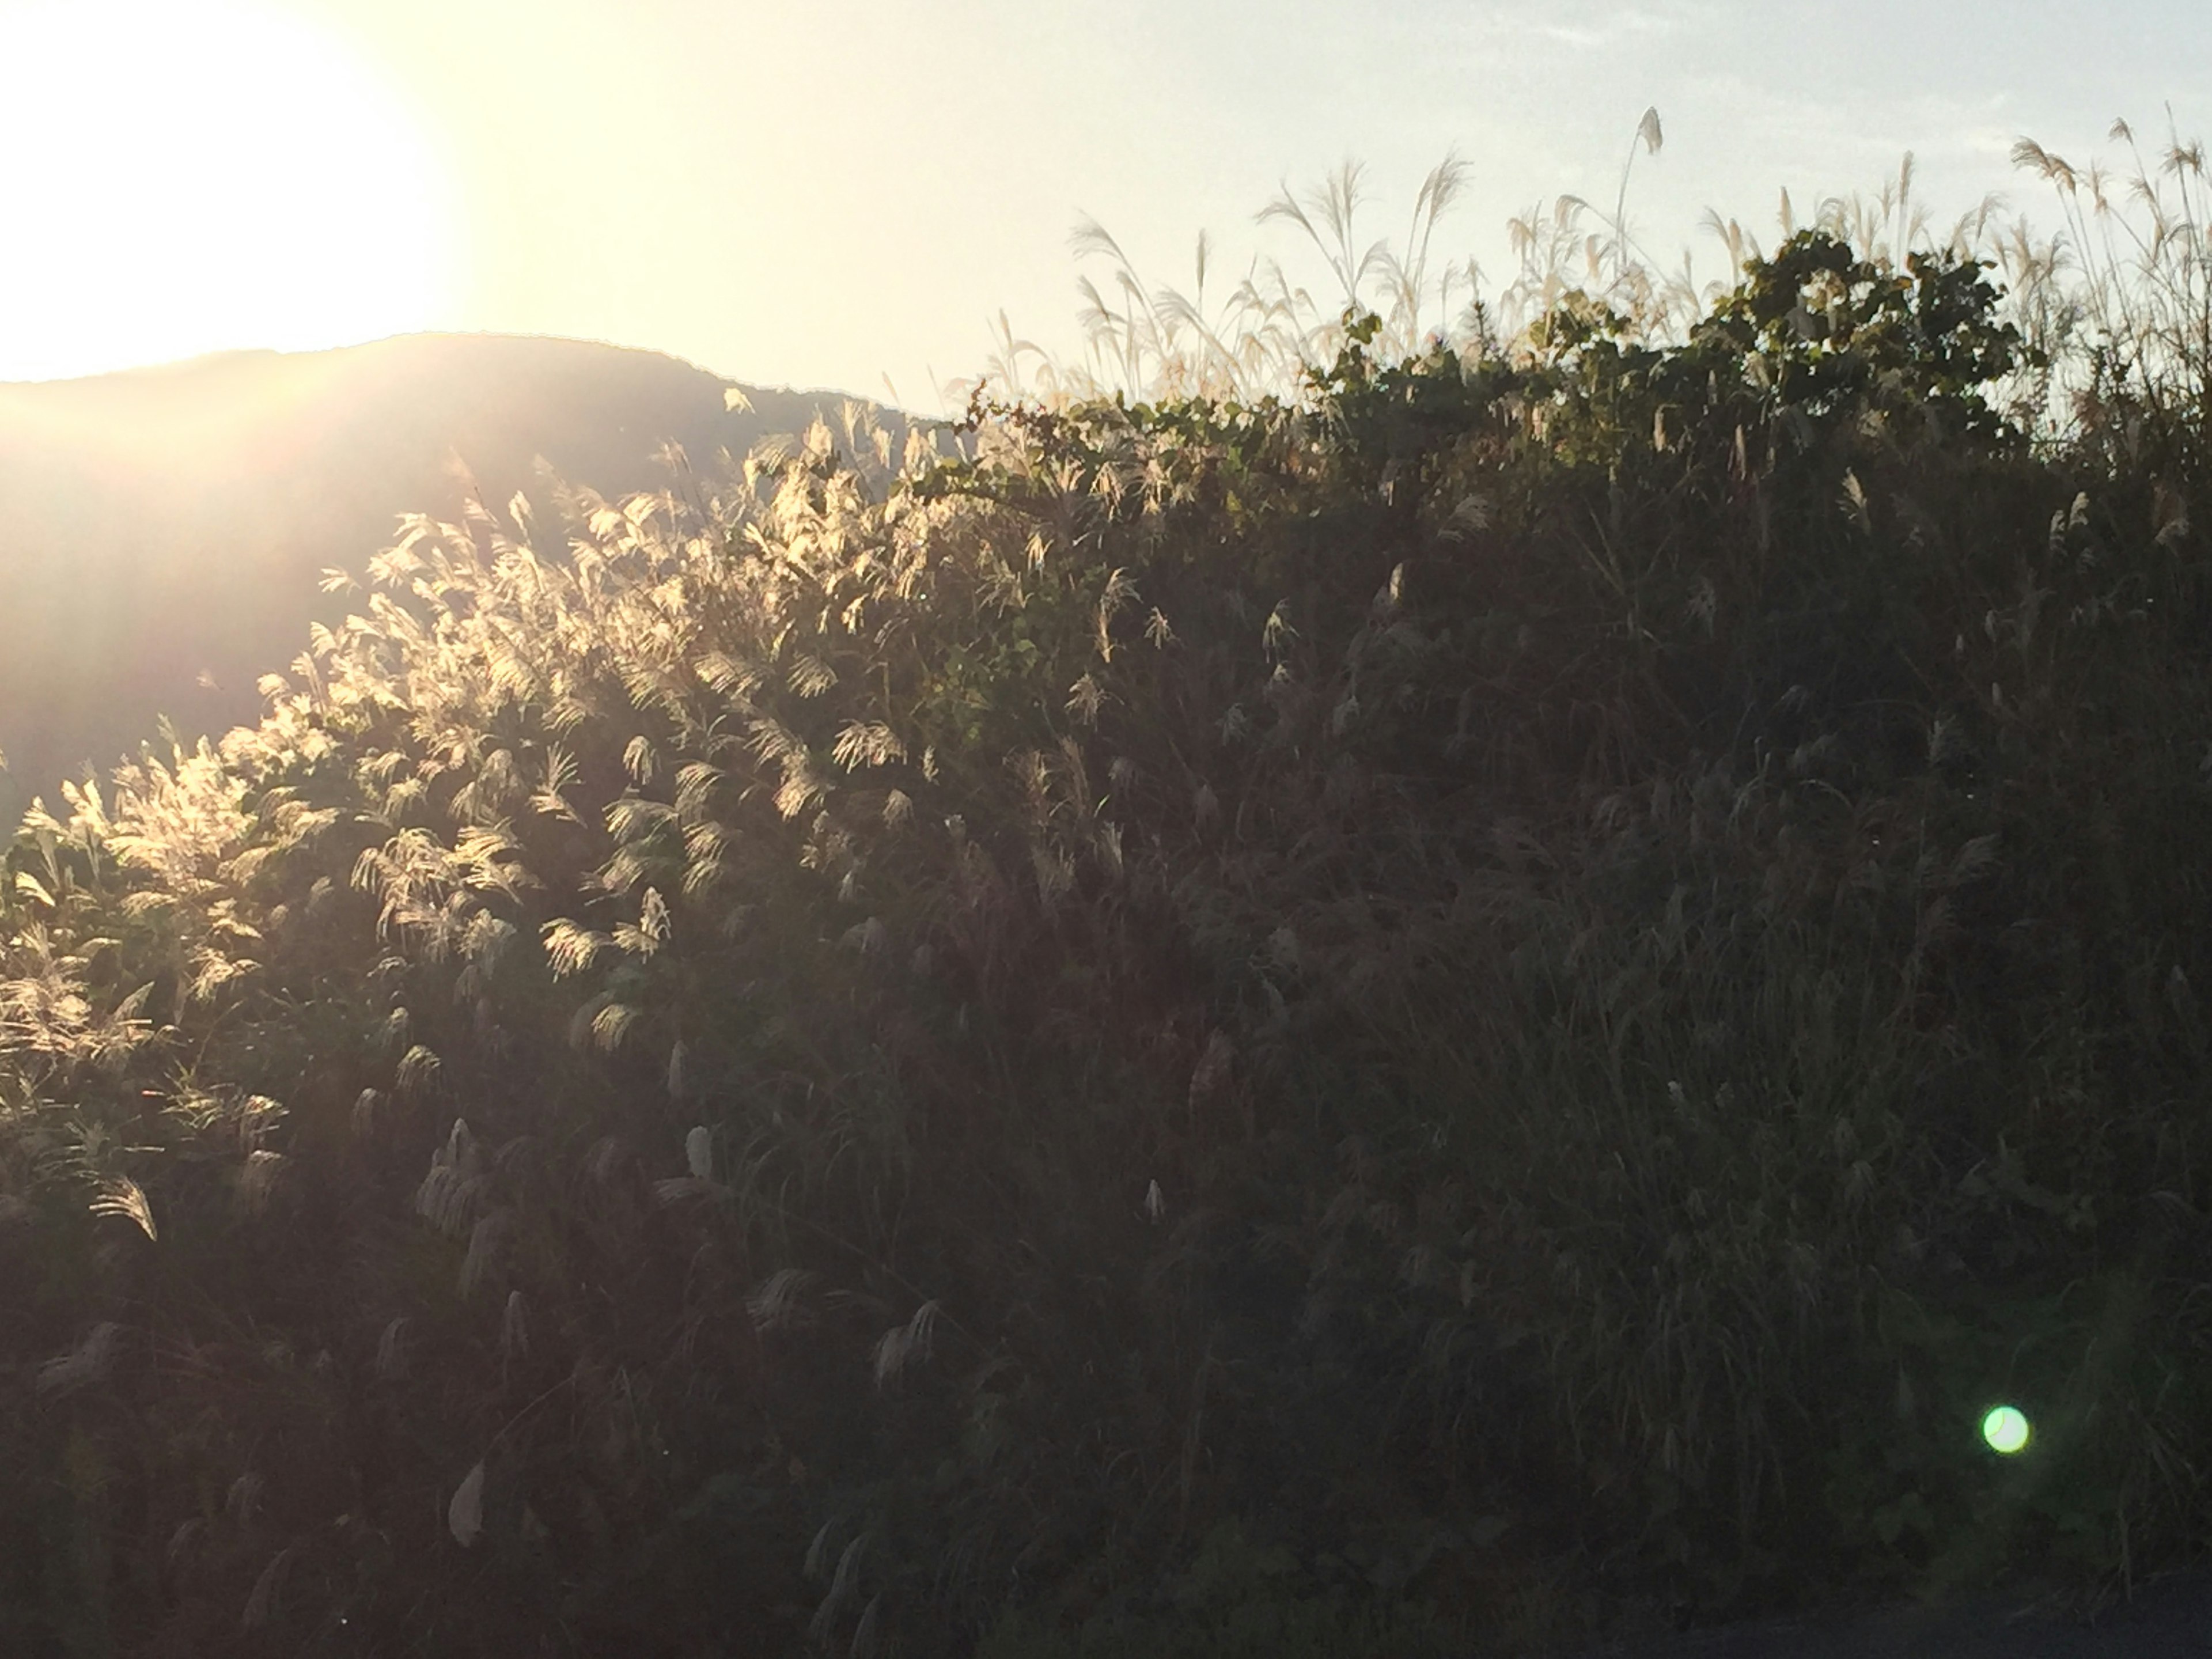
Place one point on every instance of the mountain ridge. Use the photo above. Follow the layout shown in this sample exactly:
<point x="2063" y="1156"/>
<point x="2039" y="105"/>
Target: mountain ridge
<point x="163" y="529"/>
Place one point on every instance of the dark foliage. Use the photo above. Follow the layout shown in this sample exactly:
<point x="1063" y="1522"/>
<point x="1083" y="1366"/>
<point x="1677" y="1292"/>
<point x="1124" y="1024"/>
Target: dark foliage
<point x="1495" y="999"/>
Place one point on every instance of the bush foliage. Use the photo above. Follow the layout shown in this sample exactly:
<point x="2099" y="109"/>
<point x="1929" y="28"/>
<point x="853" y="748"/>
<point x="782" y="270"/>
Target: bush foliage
<point x="1492" y="997"/>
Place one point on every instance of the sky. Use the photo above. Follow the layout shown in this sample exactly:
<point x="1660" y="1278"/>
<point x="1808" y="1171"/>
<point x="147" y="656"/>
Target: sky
<point x="849" y="196"/>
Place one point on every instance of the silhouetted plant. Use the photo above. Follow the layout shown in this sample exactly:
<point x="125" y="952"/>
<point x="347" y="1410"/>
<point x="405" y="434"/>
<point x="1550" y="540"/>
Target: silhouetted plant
<point x="1495" y="986"/>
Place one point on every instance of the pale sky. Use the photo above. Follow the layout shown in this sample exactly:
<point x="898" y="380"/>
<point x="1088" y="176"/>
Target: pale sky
<point x="830" y="195"/>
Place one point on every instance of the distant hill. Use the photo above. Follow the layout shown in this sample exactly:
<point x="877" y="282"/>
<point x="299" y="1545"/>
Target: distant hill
<point x="162" y="531"/>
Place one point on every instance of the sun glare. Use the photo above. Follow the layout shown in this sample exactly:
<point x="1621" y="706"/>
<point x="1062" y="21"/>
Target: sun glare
<point x="178" y="178"/>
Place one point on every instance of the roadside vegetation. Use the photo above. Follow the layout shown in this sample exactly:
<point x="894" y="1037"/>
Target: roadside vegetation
<point x="1397" y="977"/>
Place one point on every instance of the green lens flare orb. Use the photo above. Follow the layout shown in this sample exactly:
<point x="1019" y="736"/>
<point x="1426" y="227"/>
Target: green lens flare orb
<point x="2005" y="1428"/>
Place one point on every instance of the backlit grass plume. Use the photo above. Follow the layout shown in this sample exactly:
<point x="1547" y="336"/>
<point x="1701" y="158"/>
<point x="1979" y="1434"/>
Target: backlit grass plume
<point x="1435" y="977"/>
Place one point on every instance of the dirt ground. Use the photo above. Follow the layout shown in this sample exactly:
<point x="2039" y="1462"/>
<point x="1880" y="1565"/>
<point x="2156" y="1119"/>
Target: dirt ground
<point x="2170" y="1618"/>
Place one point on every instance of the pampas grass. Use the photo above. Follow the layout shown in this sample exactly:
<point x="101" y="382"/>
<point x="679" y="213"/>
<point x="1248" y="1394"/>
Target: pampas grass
<point x="1519" y="941"/>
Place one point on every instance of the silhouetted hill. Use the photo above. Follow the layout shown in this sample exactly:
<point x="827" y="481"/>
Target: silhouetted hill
<point x="161" y="530"/>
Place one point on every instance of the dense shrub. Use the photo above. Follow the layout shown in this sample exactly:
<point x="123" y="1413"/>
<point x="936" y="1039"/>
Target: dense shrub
<point x="1500" y="994"/>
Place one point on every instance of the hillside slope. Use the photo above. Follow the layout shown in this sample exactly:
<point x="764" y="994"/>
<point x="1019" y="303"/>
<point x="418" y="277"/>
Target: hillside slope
<point x="162" y="531"/>
<point x="1487" y="1011"/>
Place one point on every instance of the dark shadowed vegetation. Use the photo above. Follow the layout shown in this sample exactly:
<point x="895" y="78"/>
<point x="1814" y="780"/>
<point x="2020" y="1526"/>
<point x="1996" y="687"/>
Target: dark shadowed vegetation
<point x="1432" y="994"/>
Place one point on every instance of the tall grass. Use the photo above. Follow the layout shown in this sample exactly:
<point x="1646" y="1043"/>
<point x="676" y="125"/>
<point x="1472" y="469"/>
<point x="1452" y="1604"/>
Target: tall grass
<point x="2112" y="305"/>
<point x="1463" y="982"/>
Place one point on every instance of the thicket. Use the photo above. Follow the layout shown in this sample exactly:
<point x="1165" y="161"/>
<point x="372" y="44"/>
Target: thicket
<point x="1492" y="997"/>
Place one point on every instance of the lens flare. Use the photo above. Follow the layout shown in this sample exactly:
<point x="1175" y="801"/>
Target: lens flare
<point x="2006" y="1431"/>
